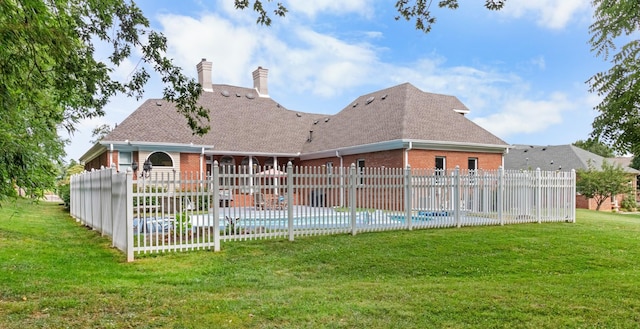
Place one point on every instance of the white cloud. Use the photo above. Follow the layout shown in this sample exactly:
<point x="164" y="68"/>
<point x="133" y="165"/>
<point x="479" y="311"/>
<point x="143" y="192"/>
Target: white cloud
<point x="229" y="47"/>
<point x="552" y="14"/>
<point x="521" y="115"/>
<point x="340" y="7"/>
<point x="539" y="62"/>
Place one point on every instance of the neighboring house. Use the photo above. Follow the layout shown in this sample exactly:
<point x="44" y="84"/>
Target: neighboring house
<point x="395" y="127"/>
<point x="563" y="158"/>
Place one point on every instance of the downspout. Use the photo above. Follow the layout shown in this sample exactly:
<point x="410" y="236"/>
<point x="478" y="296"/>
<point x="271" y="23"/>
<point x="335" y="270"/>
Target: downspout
<point x="201" y="162"/>
<point x="341" y="180"/>
<point x="110" y="156"/>
<point x="506" y="151"/>
<point x="406" y="154"/>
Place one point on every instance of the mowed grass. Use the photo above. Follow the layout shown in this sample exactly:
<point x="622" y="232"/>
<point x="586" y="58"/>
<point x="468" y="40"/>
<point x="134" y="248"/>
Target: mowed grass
<point x="54" y="273"/>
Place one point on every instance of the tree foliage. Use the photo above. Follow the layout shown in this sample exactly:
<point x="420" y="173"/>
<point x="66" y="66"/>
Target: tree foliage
<point x="50" y="78"/>
<point x="601" y="184"/>
<point x="99" y="132"/>
<point x="595" y="147"/>
<point x="418" y="10"/>
<point x="615" y="23"/>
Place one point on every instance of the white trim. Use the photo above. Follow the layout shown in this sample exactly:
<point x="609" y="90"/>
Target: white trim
<point x="404" y="143"/>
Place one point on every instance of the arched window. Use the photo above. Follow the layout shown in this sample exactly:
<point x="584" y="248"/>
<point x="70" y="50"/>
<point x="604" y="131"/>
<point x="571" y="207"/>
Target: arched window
<point x="270" y="163"/>
<point x="254" y="161"/>
<point x="160" y="159"/>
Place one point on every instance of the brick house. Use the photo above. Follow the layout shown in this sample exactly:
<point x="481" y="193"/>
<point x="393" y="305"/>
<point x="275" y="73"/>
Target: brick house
<point x="565" y="158"/>
<point x="394" y="127"/>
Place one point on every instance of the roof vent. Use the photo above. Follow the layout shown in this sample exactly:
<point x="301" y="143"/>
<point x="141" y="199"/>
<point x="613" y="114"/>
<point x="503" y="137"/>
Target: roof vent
<point x="225" y="93"/>
<point x="250" y="96"/>
<point x="158" y="103"/>
<point x="297" y="114"/>
<point x="238" y="95"/>
<point x="316" y="122"/>
<point x="369" y="100"/>
<point x="384" y="96"/>
<point x="355" y="104"/>
<point x="326" y="119"/>
<point x="544" y="148"/>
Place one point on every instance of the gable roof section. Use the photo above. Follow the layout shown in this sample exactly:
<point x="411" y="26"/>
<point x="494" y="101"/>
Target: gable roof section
<point x="554" y="157"/>
<point x="241" y="121"/>
<point x="400" y="113"/>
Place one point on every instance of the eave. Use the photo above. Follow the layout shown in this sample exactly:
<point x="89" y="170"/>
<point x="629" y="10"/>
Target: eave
<point x="406" y="144"/>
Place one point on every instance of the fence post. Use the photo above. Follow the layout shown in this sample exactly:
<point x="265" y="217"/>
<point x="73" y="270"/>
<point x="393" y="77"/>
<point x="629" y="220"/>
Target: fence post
<point x="353" y="182"/>
<point x="290" y="199"/>
<point x="456" y="196"/>
<point x="215" y="176"/>
<point x="500" y="194"/>
<point x="129" y="219"/>
<point x="408" y="195"/>
<point x="539" y="195"/>
<point x="573" y="196"/>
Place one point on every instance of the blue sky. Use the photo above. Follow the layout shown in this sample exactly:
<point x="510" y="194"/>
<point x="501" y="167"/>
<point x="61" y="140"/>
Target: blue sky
<point x="521" y="71"/>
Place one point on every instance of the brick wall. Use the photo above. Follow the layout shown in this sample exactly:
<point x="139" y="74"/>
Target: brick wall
<point x="190" y="162"/>
<point x="426" y="159"/>
<point x="389" y="159"/>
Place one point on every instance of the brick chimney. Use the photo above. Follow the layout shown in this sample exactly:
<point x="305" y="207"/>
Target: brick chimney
<point x="204" y="74"/>
<point x="260" y="81"/>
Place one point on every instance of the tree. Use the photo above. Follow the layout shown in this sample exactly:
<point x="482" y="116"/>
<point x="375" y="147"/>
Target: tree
<point x="601" y="184"/>
<point x="99" y="132"/>
<point x="635" y="163"/>
<point x="596" y="147"/>
<point x="50" y="78"/>
<point x="618" y="123"/>
<point x="419" y="10"/>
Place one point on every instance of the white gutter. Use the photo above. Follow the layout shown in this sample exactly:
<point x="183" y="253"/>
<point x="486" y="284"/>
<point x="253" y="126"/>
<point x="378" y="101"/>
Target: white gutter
<point x="402" y="143"/>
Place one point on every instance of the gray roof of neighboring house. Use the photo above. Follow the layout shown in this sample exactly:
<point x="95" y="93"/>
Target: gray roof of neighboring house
<point x="243" y="122"/>
<point x="554" y="157"/>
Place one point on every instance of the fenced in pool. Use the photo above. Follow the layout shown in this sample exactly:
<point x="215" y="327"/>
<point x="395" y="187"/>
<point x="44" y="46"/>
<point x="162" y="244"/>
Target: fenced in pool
<point x="190" y="211"/>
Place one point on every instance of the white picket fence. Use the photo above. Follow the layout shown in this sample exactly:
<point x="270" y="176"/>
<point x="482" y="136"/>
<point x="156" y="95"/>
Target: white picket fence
<point x="189" y="211"/>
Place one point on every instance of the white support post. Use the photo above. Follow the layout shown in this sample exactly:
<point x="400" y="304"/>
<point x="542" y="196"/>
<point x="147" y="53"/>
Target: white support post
<point x="456" y="196"/>
<point x="129" y="205"/>
<point x="538" y="195"/>
<point x="353" y="182"/>
<point x="215" y="174"/>
<point x="290" y="200"/>
<point x="501" y="195"/>
<point x="407" y="197"/>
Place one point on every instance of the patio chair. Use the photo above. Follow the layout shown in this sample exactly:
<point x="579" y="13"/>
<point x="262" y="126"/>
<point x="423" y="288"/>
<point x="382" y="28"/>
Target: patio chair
<point x="259" y="201"/>
<point x="281" y="202"/>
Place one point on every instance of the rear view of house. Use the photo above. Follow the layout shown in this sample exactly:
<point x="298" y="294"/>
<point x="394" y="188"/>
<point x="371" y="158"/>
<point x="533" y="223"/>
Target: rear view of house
<point x="395" y="127"/>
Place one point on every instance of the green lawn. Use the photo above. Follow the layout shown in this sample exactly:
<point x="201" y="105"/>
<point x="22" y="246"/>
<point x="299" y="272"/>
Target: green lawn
<point x="55" y="273"/>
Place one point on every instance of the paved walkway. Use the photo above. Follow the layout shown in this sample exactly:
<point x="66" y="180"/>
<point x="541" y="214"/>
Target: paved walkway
<point x="52" y="198"/>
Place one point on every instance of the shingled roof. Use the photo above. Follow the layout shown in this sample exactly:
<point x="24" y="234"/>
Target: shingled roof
<point x="248" y="121"/>
<point x="240" y="122"/>
<point x="554" y="157"/>
<point x="403" y="112"/>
